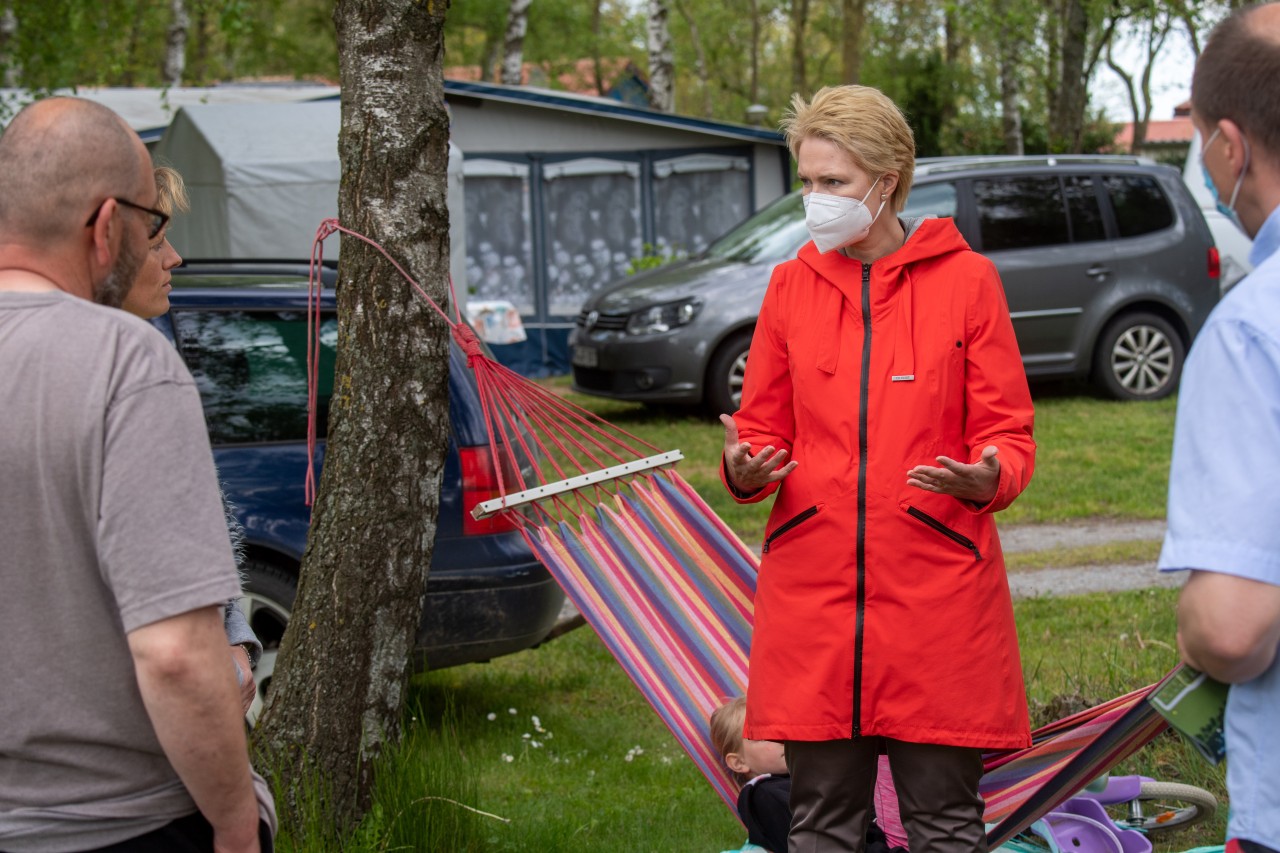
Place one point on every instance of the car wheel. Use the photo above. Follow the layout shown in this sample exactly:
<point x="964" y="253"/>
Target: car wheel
<point x="1139" y="357"/>
<point x="266" y="601"/>
<point x="728" y="368"/>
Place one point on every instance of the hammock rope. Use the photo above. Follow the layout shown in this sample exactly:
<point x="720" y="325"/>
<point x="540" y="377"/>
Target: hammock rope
<point x="669" y="587"/>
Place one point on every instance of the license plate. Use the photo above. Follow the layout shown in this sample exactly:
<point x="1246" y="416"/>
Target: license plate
<point x="585" y="356"/>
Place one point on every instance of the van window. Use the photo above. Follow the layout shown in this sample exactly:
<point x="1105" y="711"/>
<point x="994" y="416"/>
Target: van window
<point x="1020" y="212"/>
<point x="1082" y="202"/>
<point x="931" y="199"/>
<point x="775" y="233"/>
<point x="251" y="370"/>
<point x="1140" y="204"/>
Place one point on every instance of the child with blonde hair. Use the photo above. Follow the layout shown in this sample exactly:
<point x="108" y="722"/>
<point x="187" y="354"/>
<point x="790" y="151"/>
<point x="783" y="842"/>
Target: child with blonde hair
<point x="760" y="770"/>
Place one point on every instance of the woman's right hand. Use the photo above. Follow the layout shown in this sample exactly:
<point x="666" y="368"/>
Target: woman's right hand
<point x="748" y="473"/>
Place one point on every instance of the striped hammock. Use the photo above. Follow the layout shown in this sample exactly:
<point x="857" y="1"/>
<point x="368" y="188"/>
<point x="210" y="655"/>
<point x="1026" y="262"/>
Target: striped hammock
<point x="669" y="587"/>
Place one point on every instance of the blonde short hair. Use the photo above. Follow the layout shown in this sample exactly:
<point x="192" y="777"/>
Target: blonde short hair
<point x="863" y="122"/>
<point x="726" y="730"/>
<point x="171" y="191"/>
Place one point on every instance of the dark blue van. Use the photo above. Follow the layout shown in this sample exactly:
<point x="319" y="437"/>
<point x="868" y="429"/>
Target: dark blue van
<point x="241" y="328"/>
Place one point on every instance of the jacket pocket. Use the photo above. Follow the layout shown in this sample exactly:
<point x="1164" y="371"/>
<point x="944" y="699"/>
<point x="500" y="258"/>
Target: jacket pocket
<point x="789" y="525"/>
<point x="958" y="538"/>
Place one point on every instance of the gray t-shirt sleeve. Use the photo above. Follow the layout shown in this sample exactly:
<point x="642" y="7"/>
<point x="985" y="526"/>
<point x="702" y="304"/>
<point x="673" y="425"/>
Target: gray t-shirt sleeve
<point x="239" y="633"/>
<point x="163" y="546"/>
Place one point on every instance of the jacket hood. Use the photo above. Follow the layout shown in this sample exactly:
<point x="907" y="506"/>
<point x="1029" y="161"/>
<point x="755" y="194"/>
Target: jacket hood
<point x="927" y="238"/>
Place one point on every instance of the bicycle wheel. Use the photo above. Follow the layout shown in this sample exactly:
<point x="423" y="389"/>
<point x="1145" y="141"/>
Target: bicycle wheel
<point x="1164" y="807"/>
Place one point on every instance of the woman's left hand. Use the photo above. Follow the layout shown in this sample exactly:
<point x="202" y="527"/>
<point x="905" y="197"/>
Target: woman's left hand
<point x="978" y="482"/>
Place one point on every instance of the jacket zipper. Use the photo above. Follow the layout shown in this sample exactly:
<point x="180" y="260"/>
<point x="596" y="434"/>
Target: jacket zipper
<point x="959" y="539"/>
<point x="862" y="500"/>
<point x="790" y="523"/>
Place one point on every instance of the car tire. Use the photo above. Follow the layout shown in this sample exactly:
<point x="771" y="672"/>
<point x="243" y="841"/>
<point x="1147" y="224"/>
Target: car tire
<point x="725" y="373"/>
<point x="266" y="601"/>
<point x="1139" y="357"/>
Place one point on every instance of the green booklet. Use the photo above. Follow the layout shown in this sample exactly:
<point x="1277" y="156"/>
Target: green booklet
<point x="1196" y="706"/>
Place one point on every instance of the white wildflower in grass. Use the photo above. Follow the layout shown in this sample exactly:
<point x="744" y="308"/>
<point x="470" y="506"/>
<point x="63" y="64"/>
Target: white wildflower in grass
<point x="511" y="711"/>
<point x="492" y="716"/>
<point x="535" y="744"/>
<point x="666" y="759"/>
<point x="526" y="736"/>
<point x="633" y="752"/>
<point x="537" y="724"/>
<point x="508" y="758"/>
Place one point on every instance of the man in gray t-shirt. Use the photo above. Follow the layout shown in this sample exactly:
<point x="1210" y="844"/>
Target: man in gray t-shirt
<point x="121" y="714"/>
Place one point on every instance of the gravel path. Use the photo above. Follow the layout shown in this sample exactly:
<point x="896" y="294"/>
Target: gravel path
<point x="1076" y="580"/>
<point x="1065" y="580"/>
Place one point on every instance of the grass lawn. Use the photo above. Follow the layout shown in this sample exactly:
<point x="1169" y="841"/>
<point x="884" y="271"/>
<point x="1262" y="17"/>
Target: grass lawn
<point x="553" y="749"/>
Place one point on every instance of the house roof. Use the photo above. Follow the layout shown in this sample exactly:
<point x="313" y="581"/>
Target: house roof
<point x="1174" y="131"/>
<point x="592" y="105"/>
<point x="578" y="76"/>
<point x="149" y="111"/>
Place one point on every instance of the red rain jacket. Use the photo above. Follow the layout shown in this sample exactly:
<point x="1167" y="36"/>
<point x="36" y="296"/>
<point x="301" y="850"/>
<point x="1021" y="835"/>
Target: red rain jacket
<point x="883" y="609"/>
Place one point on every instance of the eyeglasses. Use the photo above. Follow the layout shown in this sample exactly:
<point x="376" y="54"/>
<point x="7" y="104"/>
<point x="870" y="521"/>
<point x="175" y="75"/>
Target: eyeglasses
<point x="158" y="219"/>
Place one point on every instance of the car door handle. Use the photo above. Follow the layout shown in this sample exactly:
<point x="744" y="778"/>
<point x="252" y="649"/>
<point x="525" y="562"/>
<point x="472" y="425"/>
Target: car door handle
<point x="1098" y="271"/>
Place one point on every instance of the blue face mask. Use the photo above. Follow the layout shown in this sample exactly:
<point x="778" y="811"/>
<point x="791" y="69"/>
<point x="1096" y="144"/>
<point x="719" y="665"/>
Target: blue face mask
<point x="1229" y="209"/>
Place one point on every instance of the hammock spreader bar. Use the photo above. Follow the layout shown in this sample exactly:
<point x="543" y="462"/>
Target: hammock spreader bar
<point x="484" y="509"/>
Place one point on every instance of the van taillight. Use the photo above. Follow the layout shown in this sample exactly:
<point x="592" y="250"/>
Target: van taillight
<point x="1215" y="262"/>
<point x="480" y="483"/>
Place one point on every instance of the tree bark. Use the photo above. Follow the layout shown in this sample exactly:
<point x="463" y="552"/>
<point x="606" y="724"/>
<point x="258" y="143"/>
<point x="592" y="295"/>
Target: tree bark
<point x="1010" y="108"/>
<point x="854" y="16"/>
<point x="597" y="68"/>
<point x="1009" y="43"/>
<point x="175" y="48"/>
<point x="344" y="663"/>
<point x="1066" y="119"/>
<point x="513" y="43"/>
<point x="661" y="64"/>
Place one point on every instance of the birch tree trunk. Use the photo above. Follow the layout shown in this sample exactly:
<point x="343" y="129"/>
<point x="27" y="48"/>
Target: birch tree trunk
<point x="513" y="43"/>
<point x="175" y="47"/>
<point x="661" y="64"/>
<point x="339" y="684"/>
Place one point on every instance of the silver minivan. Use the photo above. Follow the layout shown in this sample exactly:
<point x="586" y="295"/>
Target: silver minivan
<point x="1108" y="266"/>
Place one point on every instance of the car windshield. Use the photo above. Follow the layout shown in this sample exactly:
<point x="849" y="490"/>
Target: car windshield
<point x="775" y="233"/>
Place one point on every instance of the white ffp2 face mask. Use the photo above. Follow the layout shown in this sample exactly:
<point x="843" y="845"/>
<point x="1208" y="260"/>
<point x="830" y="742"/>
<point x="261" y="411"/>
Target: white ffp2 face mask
<point x="836" y="221"/>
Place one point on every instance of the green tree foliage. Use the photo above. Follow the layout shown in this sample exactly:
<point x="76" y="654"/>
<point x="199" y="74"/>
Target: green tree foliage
<point x="66" y="43"/>
<point x="955" y="67"/>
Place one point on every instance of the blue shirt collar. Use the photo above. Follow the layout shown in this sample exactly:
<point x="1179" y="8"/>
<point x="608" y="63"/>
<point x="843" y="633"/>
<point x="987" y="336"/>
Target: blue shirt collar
<point x="1267" y="242"/>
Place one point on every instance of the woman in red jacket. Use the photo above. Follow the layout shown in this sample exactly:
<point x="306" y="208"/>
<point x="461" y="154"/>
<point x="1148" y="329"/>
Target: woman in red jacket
<point x="886" y="406"/>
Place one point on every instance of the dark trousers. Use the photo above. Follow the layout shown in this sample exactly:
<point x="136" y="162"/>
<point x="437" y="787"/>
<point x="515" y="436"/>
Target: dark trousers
<point x="831" y="795"/>
<point x="190" y="834"/>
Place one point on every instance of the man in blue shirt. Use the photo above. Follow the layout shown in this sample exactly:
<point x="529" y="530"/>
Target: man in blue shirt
<point x="1224" y="506"/>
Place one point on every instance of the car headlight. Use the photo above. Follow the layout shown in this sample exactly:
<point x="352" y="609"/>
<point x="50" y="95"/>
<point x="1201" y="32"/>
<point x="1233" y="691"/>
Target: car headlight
<point x="663" y="318"/>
